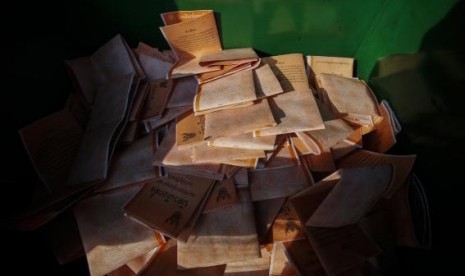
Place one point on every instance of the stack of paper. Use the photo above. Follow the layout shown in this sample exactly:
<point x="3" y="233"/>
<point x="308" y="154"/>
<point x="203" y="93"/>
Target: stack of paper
<point x="227" y="163"/>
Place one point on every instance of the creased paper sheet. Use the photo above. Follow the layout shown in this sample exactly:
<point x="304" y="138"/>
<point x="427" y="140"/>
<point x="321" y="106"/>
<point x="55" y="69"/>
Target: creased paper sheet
<point x="203" y="153"/>
<point x="239" y="120"/>
<point x="252" y="267"/>
<point x="154" y="63"/>
<point x="244" y="141"/>
<point x="169" y="115"/>
<point x="169" y="156"/>
<point x="131" y="165"/>
<point x="183" y="92"/>
<point x="105" y="125"/>
<point x="401" y="164"/>
<point x="223" y="195"/>
<point x="190" y="130"/>
<point x="165" y="263"/>
<point x="352" y="197"/>
<point x="52" y="143"/>
<point x="190" y="34"/>
<point x="85" y="77"/>
<point x="290" y="71"/>
<point x="231" y="90"/>
<point x="340" y="66"/>
<point x="280" y="264"/>
<point x="309" y="147"/>
<point x="110" y="238"/>
<point x="230" y="56"/>
<point x="384" y="135"/>
<point x="303" y="258"/>
<point x="169" y="203"/>
<point x="274" y="183"/>
<point x="114" y="58"/>
<point x="337" y="249"/>
<point x="266" y="82"/>
<point x="323" y="162"/>
<point x="266" y="212"/>
<point x="287" y="226"/>
<point x="138" y="263"/>
<point x="349" y="97"/>
<point x="157" y="98"/>
<point x="285" y="155"/>
<point x="295" y="111"/>
<point x="334" y="131"/>
<point x="231" y="62"/>
<point x="218" y="238"/>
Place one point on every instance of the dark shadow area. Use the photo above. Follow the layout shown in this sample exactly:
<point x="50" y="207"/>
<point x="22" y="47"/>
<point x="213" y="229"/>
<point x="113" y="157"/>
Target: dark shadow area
<point x="427" y="91"/>
<point x="34" y="47"/>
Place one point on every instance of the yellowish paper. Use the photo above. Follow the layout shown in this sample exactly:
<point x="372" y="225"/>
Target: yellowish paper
<point x="349" y="97"/>
<point x="190" y="34"/>
<point x="239" y="120"/>
<point x="244" y="141"/>
<point x="219" y="239"/>
<point x="290" y="71"/>
<point x="352" y="197"/>
<point x="110" y="238"/>
<point x="231" y="90"/>
<point x="296" y="111"/>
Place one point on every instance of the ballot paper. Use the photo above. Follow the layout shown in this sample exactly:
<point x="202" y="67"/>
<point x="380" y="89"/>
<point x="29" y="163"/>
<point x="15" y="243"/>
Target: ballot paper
<point x="218" y="238"/>
<point x="285" y="155"/>
<point x="239" y="120"/>
<point x="252" y="267"/>
<point x="190" y="34"/>
<point x="52" y="143"/>
<point x="333" y="132"/>
<point x="110" y="238"/>
<point x="190" y="130"/>
<point x="266" y="82"/>
<point x="266" y="212"/>
<point x="295" y="111"/>
<point x="165" y="263"/>
<point x="280" y="264"/>
<point x="131" y="165"/>
<point x="290" y="71"/>
<point x="340" y="66"/>
<point x="223" y="195"/>
<point x="401" y="164"/>
<point x="287" y="226"/>
<point x="169" y="156"/>
<point x="154" y="63"/>
<point x="106" y="122"/>
<point x="231" y="62"/>
<point x="348" y="97"/>
<point x="168" y="204"/>
<point x="352" y="197"/>
<point x="244" y="141"/>
<point x="182" y="92"/>
<point x="206" y="154"/>
<point x="275" y="183"/>
<point x="384" y="135"/>
<point x="226" y="92"/>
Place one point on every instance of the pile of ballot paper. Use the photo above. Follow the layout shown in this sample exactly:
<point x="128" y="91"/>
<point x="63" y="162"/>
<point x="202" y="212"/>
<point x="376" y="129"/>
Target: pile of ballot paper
<point x="200" y="160"/>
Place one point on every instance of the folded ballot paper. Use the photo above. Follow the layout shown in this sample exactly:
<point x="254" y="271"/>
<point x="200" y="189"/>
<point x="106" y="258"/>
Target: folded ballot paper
<point x="200" y="160"/>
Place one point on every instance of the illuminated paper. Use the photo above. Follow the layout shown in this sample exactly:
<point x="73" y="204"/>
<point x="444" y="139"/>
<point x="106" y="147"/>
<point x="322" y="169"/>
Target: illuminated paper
<point x="239" y="120"/>
<point x="190" y="34"/>
<point x="230" y="90"/>
<point x="169" y="203"/>
<point x="295" y="111"/>
<point x="219" y="231"/>
<point x="110" y="238"/>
